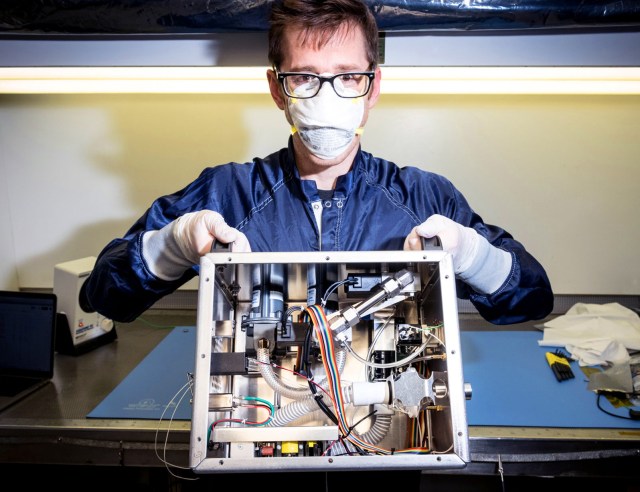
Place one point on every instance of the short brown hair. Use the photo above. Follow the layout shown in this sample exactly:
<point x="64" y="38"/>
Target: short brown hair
<point x="319" y="20"/>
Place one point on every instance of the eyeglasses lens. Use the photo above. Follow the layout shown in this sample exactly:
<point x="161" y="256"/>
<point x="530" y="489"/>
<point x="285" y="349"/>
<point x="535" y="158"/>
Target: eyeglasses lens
<point x="308" y="85"/>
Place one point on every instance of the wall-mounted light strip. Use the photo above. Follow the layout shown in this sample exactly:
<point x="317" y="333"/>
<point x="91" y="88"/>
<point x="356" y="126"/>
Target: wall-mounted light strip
<point x="511" y="80"/>
<point x="105" y="80"/>
<point x="252" y="80"/>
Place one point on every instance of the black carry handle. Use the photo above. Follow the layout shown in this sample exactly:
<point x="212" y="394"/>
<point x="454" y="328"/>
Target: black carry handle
<point x="427" y="243"/>
<point x="218" y="247"/>
<point x="431" y="243"/>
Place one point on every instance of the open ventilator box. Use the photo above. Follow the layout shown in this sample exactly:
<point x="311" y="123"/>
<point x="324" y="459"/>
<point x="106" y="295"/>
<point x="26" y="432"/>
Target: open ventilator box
<point x="328" y="361"/>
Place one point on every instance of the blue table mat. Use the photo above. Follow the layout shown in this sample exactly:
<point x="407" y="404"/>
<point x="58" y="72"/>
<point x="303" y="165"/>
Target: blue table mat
<point x="154" y="387"/>
<point x="512" y="385"/>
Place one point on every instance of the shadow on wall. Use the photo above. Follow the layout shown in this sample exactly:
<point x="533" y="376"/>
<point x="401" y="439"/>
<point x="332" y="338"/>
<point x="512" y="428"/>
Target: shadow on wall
<point x="145" y="146"/>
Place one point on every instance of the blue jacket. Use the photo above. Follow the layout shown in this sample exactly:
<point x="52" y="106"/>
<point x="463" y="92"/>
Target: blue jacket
<point x="374" y="207"/>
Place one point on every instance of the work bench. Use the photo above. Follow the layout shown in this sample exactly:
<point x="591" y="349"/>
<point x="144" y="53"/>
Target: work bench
<point x="50" y="431"/>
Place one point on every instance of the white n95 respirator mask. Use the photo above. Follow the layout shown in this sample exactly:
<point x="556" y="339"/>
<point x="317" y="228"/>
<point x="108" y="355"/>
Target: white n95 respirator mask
<point x="326" y="123"/>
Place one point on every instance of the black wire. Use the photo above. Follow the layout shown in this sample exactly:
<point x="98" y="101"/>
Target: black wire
<point x="305" y="365"/>
<point x="610" y="413"/>
<point x="373" y="412"/>
<point x="305" y="370"/>
<point x="333" y="287"/>
<point x="346" y="445"/>
<point x="359" y="450"/>
<point x="285" y="319"/>
<point x="347" y="453"/>
<point x="323" y="406"/>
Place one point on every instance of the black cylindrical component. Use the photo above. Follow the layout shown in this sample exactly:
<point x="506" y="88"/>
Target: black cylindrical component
<point x="383" y="357"/>
<point x="269" y="290"/>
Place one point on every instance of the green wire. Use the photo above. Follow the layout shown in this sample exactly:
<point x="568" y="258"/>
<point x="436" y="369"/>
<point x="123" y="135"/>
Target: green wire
<point x="268" y="403"/>
<point x="250" y="398"/>
<point x="430" y="328"/>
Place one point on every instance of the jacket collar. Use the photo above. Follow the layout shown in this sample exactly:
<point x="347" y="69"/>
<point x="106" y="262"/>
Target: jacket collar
<point x="344" y="185"/>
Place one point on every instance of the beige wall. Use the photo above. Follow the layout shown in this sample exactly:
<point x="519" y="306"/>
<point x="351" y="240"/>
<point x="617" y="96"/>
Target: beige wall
<point x="561" y="173"/>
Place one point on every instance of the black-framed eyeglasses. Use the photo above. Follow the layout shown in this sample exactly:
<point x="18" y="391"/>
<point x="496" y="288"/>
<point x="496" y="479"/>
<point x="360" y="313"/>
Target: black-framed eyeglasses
<point x="302" y="85"/>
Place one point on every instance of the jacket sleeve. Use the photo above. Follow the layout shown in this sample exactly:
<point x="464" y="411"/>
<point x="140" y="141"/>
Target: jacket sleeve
<point x="120" y="285"/>
<point x="525" y="295"/>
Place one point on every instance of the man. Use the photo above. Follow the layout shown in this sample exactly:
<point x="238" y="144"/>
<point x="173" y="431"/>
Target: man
<point x="322" y="192"/>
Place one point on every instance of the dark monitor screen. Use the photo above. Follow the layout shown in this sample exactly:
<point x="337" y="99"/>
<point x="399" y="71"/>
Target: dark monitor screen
<point x="27" y="333"/>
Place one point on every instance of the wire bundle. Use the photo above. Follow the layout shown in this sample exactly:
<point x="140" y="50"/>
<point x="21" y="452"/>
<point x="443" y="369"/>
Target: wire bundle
<point x="327" y="349"/>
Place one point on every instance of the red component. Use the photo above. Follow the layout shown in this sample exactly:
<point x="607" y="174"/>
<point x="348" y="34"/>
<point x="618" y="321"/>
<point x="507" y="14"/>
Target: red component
<point x="266" y="451"/>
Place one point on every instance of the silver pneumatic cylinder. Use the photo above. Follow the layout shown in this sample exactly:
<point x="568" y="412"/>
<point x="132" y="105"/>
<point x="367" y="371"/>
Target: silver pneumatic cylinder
<point x="390" y="287"/>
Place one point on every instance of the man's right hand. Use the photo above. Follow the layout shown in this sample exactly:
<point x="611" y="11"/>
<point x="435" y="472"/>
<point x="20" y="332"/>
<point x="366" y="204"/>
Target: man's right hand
<point x="195" y="232"/>
<point x="180" y="244"/>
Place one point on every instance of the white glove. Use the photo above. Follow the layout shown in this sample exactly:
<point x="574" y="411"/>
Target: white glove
<point x="180" y="244"/>
<point x="475" y="261"/>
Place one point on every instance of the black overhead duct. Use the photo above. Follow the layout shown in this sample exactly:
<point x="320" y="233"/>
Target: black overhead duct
<point x="122" y="17"/>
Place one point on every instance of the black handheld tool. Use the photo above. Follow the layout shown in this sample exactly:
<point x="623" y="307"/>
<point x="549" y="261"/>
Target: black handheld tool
<point x="559" y="363"/>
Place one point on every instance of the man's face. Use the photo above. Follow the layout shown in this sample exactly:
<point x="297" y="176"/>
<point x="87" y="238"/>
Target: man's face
<point x="344" y="52"/>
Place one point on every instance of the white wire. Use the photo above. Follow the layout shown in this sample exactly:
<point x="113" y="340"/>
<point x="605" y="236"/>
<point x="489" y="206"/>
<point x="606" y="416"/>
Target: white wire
<point x="399" y="363"/>
<point x="334" y="286"/>
<point x="182" y="392"/>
